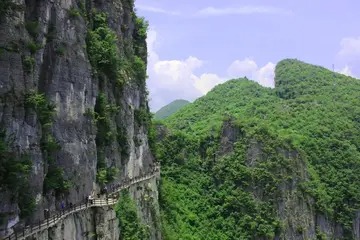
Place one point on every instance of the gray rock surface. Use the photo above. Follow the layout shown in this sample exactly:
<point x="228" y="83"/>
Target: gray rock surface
<point x="296" y="210"/>
<point x="62" y="71"/>
<point x="146" y="197"/>
<point x="89" y="224"/>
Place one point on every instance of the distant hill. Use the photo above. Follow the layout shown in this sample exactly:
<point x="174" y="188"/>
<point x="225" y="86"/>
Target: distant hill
<point x="249" y="162"/>
<point x="171" y="108"/>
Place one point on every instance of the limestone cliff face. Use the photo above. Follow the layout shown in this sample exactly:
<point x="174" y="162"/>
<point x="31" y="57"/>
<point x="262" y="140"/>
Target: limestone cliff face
<point x="296" y="209"/>
<point x="93" y="223"/>
<point x="62" y="109"/>
<point x="101" y="222"/>
<point x="146" y="195"/>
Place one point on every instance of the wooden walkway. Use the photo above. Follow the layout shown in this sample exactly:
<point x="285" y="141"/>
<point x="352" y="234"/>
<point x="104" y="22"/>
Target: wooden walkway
<point x="52" y="221"/>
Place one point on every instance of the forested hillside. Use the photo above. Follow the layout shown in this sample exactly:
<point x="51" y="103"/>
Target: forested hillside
<point x="170" y="108"/>
<point x="248" y="162"/>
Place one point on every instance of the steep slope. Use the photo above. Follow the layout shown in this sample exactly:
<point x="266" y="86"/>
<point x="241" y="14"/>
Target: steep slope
<point x="247" y="162"/>
<point x="73" y="104"/>
<point x="171" y="108"/>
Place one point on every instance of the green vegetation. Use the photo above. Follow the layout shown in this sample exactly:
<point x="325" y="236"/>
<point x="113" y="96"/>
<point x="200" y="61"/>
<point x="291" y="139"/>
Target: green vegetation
<point x="104" y="54"/>
<point x="308" y="123"/>
<point x="170" y="108"/>
<point x="14" y="176"/>
<point x="44" y="110"/>
<point x="5" y="6"/>
<point x="140" y="35"/>
<point x="8" y="5"/>
<point x="28" y="64"/>
<point x="104" y="137"/>
<point x="115" y="66"/>
<point x="142" y="26"/>
<point x="82" y="8"/>
<point x="74" y="12"/>
<point x="54" y="178"/>
<point x="140" y="51"/>
<point x="129" y="223"/>
<point x="103" y="114"/>
<point x="152" y="135"/>
<point x="105" y="175"/>
<point x="60" y="49"/>
<point x="122" y="141"/>
<point x="320" y="235"/>
<point x="51" y="33"/>
<point x="33" y="47"/>
<point x="139" y="70"/>
<point x="129" y="4"/>
<point x="102" y="47"/>
<point x="33" y="28"/>
<point x="142" y="116"/>
<point x="26" y="201"/>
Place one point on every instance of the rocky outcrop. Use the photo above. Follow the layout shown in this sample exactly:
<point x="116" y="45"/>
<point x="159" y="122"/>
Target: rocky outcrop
<point x="229" y="135"/>
<point x="51" y="92"/>
<point x="147" y="195"/>
<point x="106" y="224"/>
<point x="79" y="225"/>
<point x="294" y="207"/>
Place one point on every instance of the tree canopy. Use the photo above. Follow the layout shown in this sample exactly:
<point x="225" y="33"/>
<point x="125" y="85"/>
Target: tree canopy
<point x="312" y="114"/>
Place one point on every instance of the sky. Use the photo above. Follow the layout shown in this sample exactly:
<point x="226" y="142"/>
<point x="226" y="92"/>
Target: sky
<point x="195" y="45"/>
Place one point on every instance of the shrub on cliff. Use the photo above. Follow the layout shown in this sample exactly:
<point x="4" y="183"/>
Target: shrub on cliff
<point x="129" y="223"/>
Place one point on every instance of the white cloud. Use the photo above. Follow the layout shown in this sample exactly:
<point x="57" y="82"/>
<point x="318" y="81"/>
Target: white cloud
<point x="151" y="45"/>
<point x="350" y="47"/>
<point x="242" y="68"/>
<point x="176" y="79"/>
<point x="212" y="11"/>
<point x="170" y="79"/>
<point x="173" y="72"/>
<point x="207" y="81"/>
<point x="266" y="74"/>
<point x="349" y="56"/>
<point x="146" y="8"/>
<point x="346" y="71"/>
<point x="248" y="68"/>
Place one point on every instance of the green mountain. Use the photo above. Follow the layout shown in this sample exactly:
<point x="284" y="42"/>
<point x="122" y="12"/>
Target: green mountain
<point x="169" y="109"/>
<point x="248" y="162"/>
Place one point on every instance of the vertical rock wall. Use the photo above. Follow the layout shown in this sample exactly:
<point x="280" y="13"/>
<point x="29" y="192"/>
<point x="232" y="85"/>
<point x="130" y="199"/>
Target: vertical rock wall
<point x="44" y="50"/>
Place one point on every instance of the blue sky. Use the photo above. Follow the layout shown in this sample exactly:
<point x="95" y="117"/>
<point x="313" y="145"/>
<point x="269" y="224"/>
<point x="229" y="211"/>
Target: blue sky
<point x="194" y="45"/>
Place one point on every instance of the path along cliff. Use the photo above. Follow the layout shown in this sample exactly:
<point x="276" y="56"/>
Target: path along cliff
<point x="42" y="229"/>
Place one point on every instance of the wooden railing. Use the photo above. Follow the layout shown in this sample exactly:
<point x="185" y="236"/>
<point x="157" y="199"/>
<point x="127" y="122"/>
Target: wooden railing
<point x="110" y="200"/>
